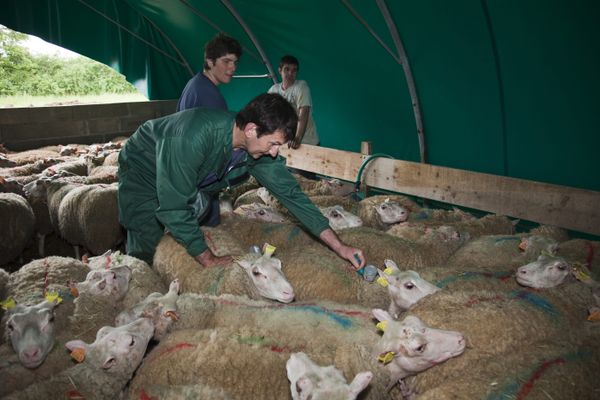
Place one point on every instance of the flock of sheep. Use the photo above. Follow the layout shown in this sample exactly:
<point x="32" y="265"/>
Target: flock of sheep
<point x="462" y="308"/>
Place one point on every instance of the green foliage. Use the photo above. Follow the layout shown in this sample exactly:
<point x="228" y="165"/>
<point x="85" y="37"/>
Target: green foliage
<point x="24" y="74"/>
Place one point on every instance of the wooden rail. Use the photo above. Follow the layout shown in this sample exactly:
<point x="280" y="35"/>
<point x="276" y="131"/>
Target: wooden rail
<point x="562" y="206"/>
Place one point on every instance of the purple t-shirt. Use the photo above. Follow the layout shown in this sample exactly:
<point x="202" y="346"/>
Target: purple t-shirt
<point x="201" y="92"/>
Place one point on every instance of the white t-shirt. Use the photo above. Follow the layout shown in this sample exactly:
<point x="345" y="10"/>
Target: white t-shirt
<point x="299" y="95"/>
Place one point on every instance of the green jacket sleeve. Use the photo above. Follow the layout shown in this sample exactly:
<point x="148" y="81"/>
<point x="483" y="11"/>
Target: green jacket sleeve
<point x="274" y="175"/>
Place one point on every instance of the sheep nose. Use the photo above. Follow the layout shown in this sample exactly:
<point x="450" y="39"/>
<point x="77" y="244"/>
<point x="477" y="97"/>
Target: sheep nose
<point x="31" y="353"/>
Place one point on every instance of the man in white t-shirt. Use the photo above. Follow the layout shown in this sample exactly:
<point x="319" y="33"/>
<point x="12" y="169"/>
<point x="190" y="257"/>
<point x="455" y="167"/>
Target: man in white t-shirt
<point x="297" y="93"/>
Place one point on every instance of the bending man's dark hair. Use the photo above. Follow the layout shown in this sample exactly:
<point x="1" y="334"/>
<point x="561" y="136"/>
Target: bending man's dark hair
<point x="290" y="60"/>
<point x="219" y="46"/>
<point x="270" y="112"/>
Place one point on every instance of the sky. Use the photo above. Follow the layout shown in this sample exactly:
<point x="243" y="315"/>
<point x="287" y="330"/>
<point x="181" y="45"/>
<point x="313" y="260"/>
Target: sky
<point x="38" y="46"/>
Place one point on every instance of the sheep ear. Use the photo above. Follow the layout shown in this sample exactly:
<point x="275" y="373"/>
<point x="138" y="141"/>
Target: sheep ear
<point x="391" y="264"/>
<point x="360" y="381"/>
<point x="381" y="315"/>
<point x="76" y="344"/>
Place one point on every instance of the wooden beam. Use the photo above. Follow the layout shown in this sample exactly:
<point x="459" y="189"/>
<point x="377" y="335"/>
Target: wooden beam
<point x="562" y="206"/>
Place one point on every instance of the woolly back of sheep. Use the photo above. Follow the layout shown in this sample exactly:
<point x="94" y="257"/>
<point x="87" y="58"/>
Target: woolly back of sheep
<point x="172" y="261"/>
<point x="18" y="223"/>
<point x="257" y="338"/>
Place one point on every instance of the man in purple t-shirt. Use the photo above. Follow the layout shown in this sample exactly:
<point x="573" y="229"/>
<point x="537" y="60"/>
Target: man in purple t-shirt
<point x="221" y="56"/>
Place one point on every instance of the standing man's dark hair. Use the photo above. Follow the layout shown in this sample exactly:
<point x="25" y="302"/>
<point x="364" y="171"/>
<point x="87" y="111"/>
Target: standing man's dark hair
<point x="289" y="60"/>
<point x="220" y="46"/>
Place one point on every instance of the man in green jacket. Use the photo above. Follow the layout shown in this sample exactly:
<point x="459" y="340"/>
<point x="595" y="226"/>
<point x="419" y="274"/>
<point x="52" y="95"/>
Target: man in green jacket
<point x="171" y="162"/>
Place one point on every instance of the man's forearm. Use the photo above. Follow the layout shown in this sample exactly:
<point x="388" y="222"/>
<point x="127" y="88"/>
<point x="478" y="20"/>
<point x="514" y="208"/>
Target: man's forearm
<point x="331" y="239"/>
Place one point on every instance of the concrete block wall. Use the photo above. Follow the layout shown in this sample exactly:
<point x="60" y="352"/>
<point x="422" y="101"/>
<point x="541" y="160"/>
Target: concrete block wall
<point x="34" y="127"/>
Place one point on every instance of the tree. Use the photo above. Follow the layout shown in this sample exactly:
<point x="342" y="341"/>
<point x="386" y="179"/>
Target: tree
<point x="24" y="74"/>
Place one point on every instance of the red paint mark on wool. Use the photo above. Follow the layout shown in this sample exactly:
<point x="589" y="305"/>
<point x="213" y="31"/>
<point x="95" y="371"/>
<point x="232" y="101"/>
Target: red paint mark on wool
<point x="527" y="387"/>
<point x="284" y="349"/>
<point x="74" y="395"/>
<point x="175" y="348"/>
<point x="145" y="396"/>
<point x="590" y="256"/>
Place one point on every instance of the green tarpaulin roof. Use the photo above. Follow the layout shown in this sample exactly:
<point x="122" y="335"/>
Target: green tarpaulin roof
<point x="506" y="87"/>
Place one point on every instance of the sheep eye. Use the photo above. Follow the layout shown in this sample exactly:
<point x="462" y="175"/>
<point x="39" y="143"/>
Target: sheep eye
<point x="256" y="272"/>
<point x="335" y="214"/>
<point x="114" y="275"/>
<point x="10" y="327"/>
<point x="261" y="212"/>
<point x="383" y="206"/>
<point x="409" y="285"/>
<point x="562" y="267"/>
<point x="132" y="343"/>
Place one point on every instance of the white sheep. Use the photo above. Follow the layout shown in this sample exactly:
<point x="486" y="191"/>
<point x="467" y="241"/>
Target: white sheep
<point x="381" y="212"/>
<point x="144" y="279"/>
<point x="160" y="309"/>
<point x="258" y="337"/>
<point x="28" y="286"/>
<point x="474" y="227"/>
<point x="433" y="248"/>
<point x="260" y="212"/>
<point x="411" y="346"/>
<point x="404" y="287"/>
<point x="311" y="381"/>
<point x="499" y="325"/>
<point x="547" y="271"/>
<point x="31" y="156"/>
<point x="254" y="275"/>
<point x="88" y="216"/>
<point x="324" y="186"/>
<point x="30" y="330"/>
<point x="339" y="218"/>
<point x="107" y="365"/>
<point x="494" y="252"/>
<point x="18" y="223"/>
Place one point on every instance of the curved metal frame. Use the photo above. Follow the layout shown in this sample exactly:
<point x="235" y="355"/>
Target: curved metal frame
<point x="182" y="62"/>
<point x="253" y="38"/>
<point x="402" y="59"/>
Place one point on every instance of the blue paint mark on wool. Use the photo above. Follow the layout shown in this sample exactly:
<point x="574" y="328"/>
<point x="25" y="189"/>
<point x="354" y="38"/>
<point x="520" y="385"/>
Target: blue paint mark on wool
<point x="535" y="300"/>
<point x="511" y="389"/>
<point x="470" y="275"/>
<point x="345" y="322"/>
<point x="506" y="239"/>
<point x="293" y="233"/>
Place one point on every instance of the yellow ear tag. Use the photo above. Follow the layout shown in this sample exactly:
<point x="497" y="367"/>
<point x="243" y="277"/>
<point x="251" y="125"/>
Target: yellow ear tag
<point x="388" y="271"/>
<point x="382" y="281"/>
<point x="594" y="316"/>
<point x="381" y="326"/>
<point x="173" y="315"/>
<point x="386" y="358"/>
<point x="52" y="297"/>
<point x="268" y="249"/>
<point x="580" y="275"/>
<point x="8" y="303"/>
<point x="78" y="354"/>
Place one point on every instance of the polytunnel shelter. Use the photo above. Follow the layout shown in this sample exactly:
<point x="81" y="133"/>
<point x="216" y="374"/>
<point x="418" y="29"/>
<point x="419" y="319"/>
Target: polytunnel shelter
<point x="481" y="113"/>
<point x="496" y="87"/>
